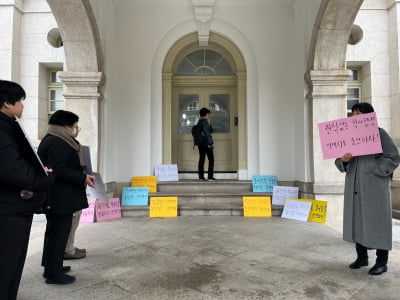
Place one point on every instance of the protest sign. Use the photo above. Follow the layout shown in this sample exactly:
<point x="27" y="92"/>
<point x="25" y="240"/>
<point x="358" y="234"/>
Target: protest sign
<point x="135" y="196"/>
<point x="318" y="210"/>
<point x="161" y="207"/>
<point x="166" y="172"/>
<point x="296" y="210"/>
<point x="88" y="214"/>
<point x="145" y="181"/>
<point x="107" y="210"/>
<point x="358" y="135"/>
<point x="264" y="183"/>
<point x="280" y="193"/>
<point x="99" y="192"/>
<point x="257" y="206"/>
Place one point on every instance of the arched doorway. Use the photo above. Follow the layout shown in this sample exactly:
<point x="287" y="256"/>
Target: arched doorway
<point x="196" y="76"/>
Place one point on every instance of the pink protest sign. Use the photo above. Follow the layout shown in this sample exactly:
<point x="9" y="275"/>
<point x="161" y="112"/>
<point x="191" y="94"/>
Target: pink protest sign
<point x="358" y="135"/>
<point x="87" y="215"/>
<point x="108" y="210"/>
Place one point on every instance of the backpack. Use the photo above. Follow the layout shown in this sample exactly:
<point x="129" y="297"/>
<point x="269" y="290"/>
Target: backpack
<point x="199" y="138"/>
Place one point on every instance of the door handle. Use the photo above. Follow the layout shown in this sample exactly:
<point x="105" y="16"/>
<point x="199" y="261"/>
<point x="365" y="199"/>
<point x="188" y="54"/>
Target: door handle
<point x="236" y="121"/>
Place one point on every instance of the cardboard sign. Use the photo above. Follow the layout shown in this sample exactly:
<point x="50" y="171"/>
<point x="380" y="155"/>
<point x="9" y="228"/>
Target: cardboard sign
<point x="87" y="215"/>
<point x="358" y="135"/>
<point x="135" y="196"/>
<point x="280" y="193"/>
<point x="166" y="172"/>
<point x="318" y="210"/>
<point x="257" y="206"/>
<point x="264" y="183"/>
<point x="296" y="210"/>
<point x="163" y="207"/>
<point x="145" y="181"/>
<point x="107" y="210"/>
<point x="99" y="192"/>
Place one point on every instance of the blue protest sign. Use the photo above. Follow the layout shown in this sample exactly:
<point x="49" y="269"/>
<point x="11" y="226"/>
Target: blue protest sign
<point x="264" y="183"/>
<point x="135" y="196"/>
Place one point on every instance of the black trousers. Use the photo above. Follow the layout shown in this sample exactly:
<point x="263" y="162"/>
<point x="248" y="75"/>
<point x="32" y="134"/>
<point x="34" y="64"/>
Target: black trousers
<point x="382" y="256"/>
<point x="14" y="234"/>
<point x="203" y="150"/>
<point x="55" y="240"/>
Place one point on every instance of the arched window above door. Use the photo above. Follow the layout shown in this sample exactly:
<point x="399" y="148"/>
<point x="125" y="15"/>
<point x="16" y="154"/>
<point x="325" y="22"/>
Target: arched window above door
<point x="204" y="62"/>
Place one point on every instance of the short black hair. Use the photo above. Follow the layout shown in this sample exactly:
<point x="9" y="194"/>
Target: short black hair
<point x="204" y="111"/>
<point x="63" y="118"/>
<point x="10" y="92"/>
<point x="362" y="107"/>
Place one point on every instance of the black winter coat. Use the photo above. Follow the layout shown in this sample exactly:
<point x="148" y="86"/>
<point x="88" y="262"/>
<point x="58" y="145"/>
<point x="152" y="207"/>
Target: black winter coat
<point x="68" y="193"/>
<point x="19" y="170"/>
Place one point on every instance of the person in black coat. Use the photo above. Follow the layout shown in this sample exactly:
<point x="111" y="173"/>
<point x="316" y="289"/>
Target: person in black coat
<point x="207" y="147"/>
<point x="23" y="189"/>
<point x="60" y="150"/>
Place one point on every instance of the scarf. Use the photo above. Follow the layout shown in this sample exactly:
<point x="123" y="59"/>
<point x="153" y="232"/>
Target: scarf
<point x="66" y="136"/>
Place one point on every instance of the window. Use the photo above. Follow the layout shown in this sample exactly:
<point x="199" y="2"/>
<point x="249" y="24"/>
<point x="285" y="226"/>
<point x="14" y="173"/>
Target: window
<point x="354" y="89"/>
<point x="204" y="63"/>
<point x="56" y="99"/>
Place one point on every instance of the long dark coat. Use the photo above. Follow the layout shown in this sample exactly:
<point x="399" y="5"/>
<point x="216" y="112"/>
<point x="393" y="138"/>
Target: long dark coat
<point x="367" y="216"/>
<point x="68" y="193"/>
<point x="19" y="170"/>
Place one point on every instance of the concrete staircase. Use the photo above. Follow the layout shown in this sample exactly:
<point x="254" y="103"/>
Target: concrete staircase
<point x="204" y="198"/>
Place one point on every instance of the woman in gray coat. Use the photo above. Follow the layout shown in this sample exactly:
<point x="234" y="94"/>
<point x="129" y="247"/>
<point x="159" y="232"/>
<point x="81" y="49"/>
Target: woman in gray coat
<point x="367" y="219"/>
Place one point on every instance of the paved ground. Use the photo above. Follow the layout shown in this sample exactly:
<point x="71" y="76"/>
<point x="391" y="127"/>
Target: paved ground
<point x="211" y="258"/>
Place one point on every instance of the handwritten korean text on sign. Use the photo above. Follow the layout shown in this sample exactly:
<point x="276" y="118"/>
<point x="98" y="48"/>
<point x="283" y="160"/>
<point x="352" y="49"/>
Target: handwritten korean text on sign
<point x="135" y="196"/>
<point x="358" y="135"/>
<point x="280" y="193"/>
<point x="296" y="210"/>
<point x="166" y="172"/>
<point x="107" y="210"/>
<point x="163" y="207"/>
<point x="264" y="183"/>
<point x="145" y="181"/>
<point x="87" y="215"/>
<point x="318" y="210"/>
<point x="257" y="206"/>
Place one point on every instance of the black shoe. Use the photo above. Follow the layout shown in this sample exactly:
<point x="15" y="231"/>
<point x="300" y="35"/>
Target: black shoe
<point x="377" y="270"/>
<point x="60" y="279"/>
<point x="65" y="269"/>
<point x="358" y="263"/>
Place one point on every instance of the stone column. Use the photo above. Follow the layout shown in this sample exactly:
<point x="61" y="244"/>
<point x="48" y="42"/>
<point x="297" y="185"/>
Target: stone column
<point x="166" y="113"/>
<point x="10" y="39"/>
<point x="327" y="96"/>
<point x="394" y="69"/>
<point x="82" y="96"/>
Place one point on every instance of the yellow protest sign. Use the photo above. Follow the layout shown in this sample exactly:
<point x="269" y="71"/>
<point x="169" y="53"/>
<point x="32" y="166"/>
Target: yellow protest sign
<point x="145" y="181"/>
<point x="163" y="207"/>
<point x="318" y="210"/>
<point x="257" y="206"/>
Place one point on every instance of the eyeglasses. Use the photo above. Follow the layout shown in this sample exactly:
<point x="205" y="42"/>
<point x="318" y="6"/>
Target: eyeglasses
<point x="77" y="128"/>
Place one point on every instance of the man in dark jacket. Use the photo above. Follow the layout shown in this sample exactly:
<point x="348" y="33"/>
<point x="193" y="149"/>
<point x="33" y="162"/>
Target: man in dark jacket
<point x="207" y="147"/>
<point x="23" y="189"/>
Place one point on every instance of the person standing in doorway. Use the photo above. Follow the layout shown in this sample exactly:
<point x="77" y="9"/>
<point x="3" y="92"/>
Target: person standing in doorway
<point x="23" y="189"/>
<point x="207" y="147"/>
<point x="367" y="219"/>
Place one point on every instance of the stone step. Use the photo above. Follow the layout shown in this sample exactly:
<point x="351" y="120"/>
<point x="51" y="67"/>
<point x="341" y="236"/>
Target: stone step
<point x="197" y="210"/>
<point x="192" y="186"/>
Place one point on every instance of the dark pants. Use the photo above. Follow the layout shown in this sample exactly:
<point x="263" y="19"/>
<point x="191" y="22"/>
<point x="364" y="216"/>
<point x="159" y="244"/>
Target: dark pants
<point x="203" y="150"/>
<point x="14" y="235"/>
<point x="55" y="240"/>
<point x="382" y="256"/>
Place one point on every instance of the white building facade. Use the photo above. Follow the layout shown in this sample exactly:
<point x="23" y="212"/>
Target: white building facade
<point x="137" y="71"/>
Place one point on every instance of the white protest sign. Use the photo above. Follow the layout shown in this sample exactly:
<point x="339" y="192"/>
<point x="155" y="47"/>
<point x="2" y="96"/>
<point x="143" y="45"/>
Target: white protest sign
<point x="99" y="192"/>
<point x="166" y="172"/>
<point x="296" y="210"/>
<point x="280" y="193"/>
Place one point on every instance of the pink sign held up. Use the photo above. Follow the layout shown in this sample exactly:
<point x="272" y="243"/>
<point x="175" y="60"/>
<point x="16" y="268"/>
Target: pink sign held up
<point x="358" y="135"/>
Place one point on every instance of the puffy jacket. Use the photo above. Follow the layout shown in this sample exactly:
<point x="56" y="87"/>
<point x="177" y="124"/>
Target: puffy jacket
<point x="19" y="170"/>
<point x="68" y="193"/>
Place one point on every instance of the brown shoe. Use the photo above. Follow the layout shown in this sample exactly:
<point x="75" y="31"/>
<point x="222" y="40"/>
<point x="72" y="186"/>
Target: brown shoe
<point x="76" y="255"/>
<point x="80" y="250"/>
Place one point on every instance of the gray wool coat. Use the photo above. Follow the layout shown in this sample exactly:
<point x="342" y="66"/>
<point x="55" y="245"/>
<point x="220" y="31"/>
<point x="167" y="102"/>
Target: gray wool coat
<point x="367" y="216"/>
